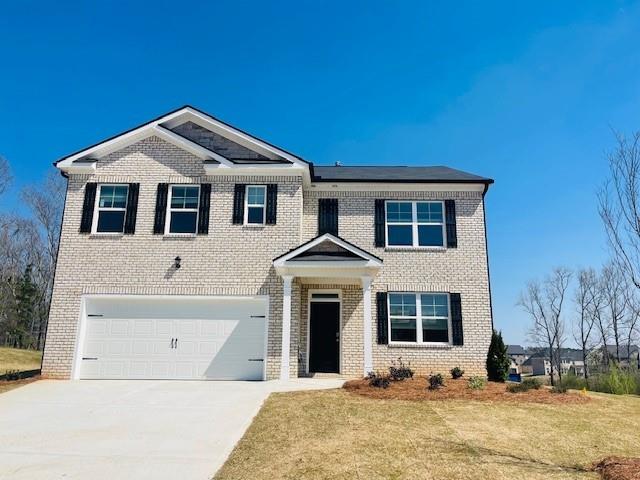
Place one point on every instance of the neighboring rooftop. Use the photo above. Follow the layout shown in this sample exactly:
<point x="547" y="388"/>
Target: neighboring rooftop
<point x="515" y="350"/>
<point x="438" y="174"/>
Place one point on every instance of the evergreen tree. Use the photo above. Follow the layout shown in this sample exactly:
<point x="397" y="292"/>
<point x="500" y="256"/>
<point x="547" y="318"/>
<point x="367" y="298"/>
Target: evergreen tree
<point x="497" y="359"/>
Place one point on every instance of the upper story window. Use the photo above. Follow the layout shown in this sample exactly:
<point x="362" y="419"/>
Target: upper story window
<point x="111" y="208"/>
<point x="255" y="208"/>
<point x="419" y="317"/>
<point x="183" y="209"/>
<point x="415" y="224"/>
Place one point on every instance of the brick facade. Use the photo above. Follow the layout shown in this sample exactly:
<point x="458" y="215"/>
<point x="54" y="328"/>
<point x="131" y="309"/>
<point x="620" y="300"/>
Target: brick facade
<point x="237" y="260"/>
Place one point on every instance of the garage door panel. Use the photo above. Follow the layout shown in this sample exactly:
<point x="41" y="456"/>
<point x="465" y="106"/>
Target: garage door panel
<point x="216" y="338"/>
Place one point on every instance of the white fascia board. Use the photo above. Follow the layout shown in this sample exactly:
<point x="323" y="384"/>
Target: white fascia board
<point x="265" y="170"/>
<point x="81" y="168"/>
<point x="395" y="187"/>
<point x="227" y="131"/>
<point x="328" y="271"/>
<point x="372" y="261"/>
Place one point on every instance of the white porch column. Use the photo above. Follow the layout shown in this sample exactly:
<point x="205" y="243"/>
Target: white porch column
<point x="367" y="336"/>
<point x="286" y="327"/>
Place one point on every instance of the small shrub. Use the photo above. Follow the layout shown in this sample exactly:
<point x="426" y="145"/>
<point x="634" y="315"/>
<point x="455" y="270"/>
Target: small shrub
<point x="456" y="372"/>
<point x="378" y="380"/>
<point x="477" y="383"/>
<point x="498" y="361"/>
<point x="573" y="382"/>
<point x="399" y="371"/>
<point x="436" y="381"/>
<point x="560" y="388"/>
<point x="524" y="386"/>
<point x="11" y="375"/>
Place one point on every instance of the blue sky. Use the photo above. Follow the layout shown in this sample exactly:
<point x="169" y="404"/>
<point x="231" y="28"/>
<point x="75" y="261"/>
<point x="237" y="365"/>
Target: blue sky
<point x="525" y="92"/>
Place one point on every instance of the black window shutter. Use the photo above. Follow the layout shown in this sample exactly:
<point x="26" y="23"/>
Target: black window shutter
<point x="87" y="207"/>
<point x="383" y="318"/>
<point x="379" y="224"/>
<point x="238" y="204"/>
<point x="450" y="216"/>
<point x="132" y="209"/>
<point x="328" y="216"/>
<point x="456" y="318"/>
<point x="272" y="203"/>
<point x="203" y="208"/>
<point x="161" y="208"/>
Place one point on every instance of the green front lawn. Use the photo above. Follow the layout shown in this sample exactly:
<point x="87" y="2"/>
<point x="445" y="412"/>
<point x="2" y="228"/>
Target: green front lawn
<point x="18" y="359"/>
<point x="338" y="435"/>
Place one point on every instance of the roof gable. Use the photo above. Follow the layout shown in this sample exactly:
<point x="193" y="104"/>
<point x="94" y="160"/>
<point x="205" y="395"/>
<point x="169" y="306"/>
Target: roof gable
<point x="200" y="134"/>
<point x="327" y="247"/>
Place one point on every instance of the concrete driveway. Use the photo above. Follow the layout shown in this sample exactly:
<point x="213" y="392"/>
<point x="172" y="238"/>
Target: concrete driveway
<point x="129" y="429"/>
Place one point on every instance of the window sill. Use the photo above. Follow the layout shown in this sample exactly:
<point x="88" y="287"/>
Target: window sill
<point x="414" y="249"/>
<point x="179" y="236"/>
<point x="106" y="235"/>
<point x="254" y="225"/>
<point x="422" y="346"/>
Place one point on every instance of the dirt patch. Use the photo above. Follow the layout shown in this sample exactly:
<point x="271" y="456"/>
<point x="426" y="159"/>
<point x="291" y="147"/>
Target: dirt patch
<point x="6" y="385"/>
<point x="618" y="468"/>
<point x="416" y="389"/>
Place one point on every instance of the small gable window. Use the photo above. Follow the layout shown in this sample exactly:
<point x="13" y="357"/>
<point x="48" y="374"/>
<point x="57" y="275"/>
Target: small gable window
<point x="183" y="209"/>
<point x="415" y="224"/>
<point x="111" y="208"/>
<point x="255" y="208"/>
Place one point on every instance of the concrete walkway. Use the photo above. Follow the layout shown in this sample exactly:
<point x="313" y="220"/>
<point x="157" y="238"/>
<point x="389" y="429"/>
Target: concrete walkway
<point x="129" y="429"/>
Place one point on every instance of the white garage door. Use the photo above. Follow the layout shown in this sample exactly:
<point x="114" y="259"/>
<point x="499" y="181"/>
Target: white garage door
<point x="173" y="338"/>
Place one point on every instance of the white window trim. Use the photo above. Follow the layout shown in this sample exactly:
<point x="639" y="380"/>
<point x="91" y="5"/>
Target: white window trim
<point x="97" y="209"/>
<point x="418" y="319"/>
<point x="167" y="220"/>
<point x="338" y="300"/>
<point x="414" y="226"/>
<point x="247" y="205"/>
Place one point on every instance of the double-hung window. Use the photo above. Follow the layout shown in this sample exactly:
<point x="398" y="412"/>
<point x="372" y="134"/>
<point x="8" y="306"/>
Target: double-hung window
<point x="419" y="317"/>
<point x="183" y="209"/>
<point x="255" y="208"/>
<point x="111" y="208"/>
<point x="415" y="224"/>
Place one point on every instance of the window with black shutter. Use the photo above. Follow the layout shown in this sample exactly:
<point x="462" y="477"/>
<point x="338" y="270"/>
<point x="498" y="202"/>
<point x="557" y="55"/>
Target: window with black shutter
<point x="328" y="216"/>
<point x="87" y="207"/>
<point x="161" y="208"/>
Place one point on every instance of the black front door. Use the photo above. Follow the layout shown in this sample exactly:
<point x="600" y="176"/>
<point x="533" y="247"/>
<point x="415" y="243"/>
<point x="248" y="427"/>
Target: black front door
<point x="324" y="337"/>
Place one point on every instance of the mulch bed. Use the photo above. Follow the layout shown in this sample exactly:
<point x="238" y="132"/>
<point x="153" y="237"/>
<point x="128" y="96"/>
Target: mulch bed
<point x="618" y="468"/>
<point x="416" y="389"/>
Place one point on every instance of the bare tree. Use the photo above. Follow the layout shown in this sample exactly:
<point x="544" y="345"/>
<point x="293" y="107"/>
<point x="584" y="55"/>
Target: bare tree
<point x="46" y="202"/>
<point x="5" y="174"/>
<point x="619" y="205"/>
<point x="587" y="299"/>
<point x="614" y="291"/>
<point x="544" y="302"/>
<point x="632" y="322"/>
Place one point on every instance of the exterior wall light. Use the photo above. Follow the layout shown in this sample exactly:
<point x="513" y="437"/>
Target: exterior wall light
<point x="176" y="262"/>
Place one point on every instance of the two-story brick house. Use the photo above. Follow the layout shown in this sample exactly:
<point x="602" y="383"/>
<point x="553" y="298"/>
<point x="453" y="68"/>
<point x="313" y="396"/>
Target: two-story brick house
<point x="191" y="249"/>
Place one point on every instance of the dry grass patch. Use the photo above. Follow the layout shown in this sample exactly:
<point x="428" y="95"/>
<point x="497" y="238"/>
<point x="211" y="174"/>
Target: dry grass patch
<point x="337" y="435"/>
<point x="416" y="389"/>
<point x="18" y="359"/>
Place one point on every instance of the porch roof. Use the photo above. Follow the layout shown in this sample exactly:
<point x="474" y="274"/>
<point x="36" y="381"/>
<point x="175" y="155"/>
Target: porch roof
<point x="327" y="255"/>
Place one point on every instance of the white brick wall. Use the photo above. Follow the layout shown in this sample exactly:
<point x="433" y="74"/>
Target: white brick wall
<point x="236" y="260"/>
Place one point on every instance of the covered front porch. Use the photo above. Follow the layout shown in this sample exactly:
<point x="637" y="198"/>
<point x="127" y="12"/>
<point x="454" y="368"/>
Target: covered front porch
<point x="334" y="318"/>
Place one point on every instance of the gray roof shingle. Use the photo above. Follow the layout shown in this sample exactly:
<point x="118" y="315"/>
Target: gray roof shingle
<point x="437" y="174"/>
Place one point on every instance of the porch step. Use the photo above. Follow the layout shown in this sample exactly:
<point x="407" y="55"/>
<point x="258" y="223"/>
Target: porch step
<point x="324" y="375"/>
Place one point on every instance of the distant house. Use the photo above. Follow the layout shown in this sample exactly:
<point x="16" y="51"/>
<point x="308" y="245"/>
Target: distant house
<point x="539" y="363"/>
<point x="517" y="355"/>
<point x="628" y="355"/>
